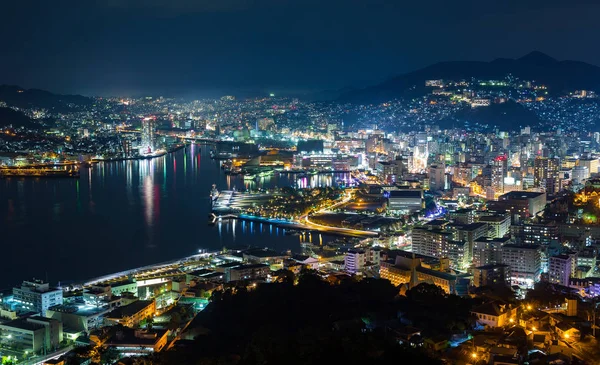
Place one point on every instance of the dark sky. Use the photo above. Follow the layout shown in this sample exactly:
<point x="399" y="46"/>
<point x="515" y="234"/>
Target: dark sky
<point x="192" y="46"/>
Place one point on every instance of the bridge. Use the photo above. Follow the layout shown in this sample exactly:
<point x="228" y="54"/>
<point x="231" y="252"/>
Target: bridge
<point x="306" y="225"/>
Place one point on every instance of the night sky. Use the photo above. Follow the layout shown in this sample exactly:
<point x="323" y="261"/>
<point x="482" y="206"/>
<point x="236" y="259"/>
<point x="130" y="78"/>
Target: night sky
<point x="195" y="47"/>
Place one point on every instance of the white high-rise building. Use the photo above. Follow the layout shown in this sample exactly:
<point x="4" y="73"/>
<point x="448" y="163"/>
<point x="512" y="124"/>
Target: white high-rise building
<point x="148" y="135"/>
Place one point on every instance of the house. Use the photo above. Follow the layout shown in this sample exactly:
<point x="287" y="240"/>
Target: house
<point x="436" y="343"/>
<point x="495" y="314"/>
<point x="567" y="331"/>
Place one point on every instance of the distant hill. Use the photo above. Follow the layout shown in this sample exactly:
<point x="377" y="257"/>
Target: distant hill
<point x="15" y="118"/>
<point x="559" y="76"/>
<point x="34" y="98"/>
<point x="509" y="116"/>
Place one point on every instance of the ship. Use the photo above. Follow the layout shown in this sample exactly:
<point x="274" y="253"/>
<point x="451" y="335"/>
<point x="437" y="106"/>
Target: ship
<point x="39" y="173"/>
<point x="214" y="193"/>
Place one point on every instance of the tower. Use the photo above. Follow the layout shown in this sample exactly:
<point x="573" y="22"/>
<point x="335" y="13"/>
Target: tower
<point x="545" y="174"/>
<point x="148" y="135"/>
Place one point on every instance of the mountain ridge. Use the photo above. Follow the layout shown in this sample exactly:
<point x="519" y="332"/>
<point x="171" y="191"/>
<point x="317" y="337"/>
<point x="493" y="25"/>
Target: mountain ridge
<point x="559" y="76"/>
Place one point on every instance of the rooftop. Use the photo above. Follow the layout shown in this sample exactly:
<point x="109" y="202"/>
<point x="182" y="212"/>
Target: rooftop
<point x="250" y="266"/>
<point x="263" y="252"/>
<point x="130" y="309"/>
<point x="520" y="195"/>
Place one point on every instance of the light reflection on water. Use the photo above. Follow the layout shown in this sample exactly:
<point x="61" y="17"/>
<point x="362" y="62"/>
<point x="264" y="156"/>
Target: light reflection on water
<point x="126" y="214"/>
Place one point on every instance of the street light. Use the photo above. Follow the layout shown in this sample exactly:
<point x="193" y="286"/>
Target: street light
<point x="474" y="355"/>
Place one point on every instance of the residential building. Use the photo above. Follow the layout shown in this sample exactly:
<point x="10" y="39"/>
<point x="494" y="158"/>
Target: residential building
<point x="488" y="250"/>
<point x="491" y="274"/>
<point x="430" y="241"/>
<point x="499" y="225"/>
<point x="561" y="268"/>
<point x="355" y="261"/>
<point x="525" y="263"/>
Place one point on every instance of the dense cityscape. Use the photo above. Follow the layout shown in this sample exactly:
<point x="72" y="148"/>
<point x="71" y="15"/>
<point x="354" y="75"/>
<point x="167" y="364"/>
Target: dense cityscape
<point x="499" y="221"/>
<point x="265" y="182"/>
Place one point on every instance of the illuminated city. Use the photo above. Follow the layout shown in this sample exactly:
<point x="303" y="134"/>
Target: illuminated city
<point x="166" y="214"/>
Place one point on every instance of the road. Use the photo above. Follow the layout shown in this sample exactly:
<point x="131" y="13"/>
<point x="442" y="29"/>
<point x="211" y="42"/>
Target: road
<point x="346" y="231"/>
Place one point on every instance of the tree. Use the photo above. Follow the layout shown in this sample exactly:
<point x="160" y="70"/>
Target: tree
<point x="109" y="355"/>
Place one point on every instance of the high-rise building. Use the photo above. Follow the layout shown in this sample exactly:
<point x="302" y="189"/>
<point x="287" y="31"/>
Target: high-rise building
<point x="37" y="296"/>
<point x="545" y="174"/>
<point x="499" y="167"/>
<point x="430" y="242"/>
<point x="437" y="177"/>
<point x="499" y="225"/>
<point x="525" y="263"/>
<point x="488" y="250"/>
<point x="561" y="268"/>
<point x="148" y="135"/>
<point x="355" y="261"/>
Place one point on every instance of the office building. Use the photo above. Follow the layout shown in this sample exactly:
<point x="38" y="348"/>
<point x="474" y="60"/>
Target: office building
<point x="37" y="296"/>
<point x="580" y="174"/>
<point x="591" y="164"/>
<point x="522" y="203"/>
<point x="406" y="200"/>
<point x="137" y="342"/>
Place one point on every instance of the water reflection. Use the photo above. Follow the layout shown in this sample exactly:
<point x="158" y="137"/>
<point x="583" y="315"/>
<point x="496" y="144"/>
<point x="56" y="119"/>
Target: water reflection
<point x="147" y="207"/>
